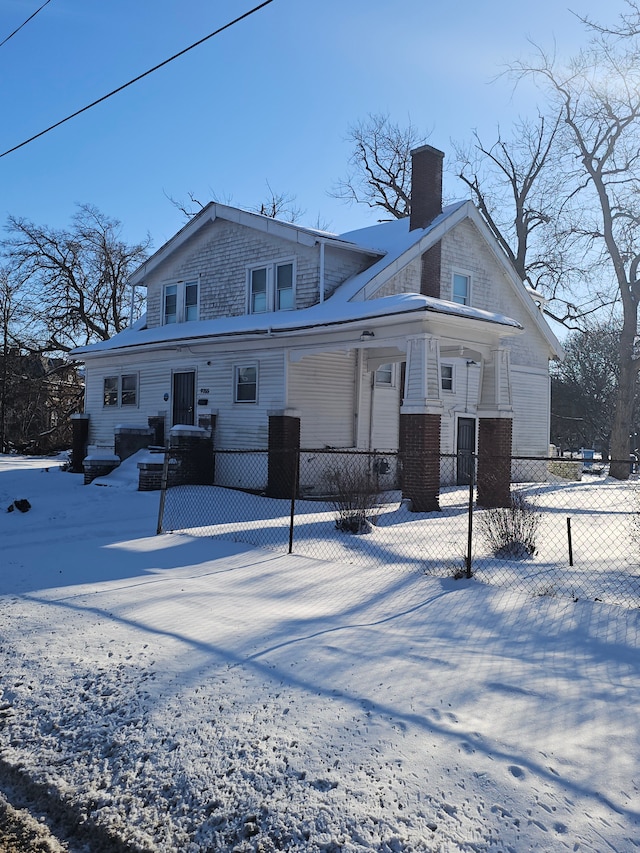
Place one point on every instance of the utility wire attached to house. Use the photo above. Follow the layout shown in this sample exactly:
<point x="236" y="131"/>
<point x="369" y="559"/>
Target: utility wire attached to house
<point x="139" y="77"/>
<point x="24" y="23"/>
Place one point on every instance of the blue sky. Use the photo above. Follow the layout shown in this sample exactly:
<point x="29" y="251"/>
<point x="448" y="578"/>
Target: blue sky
<point x="269" y="100"/>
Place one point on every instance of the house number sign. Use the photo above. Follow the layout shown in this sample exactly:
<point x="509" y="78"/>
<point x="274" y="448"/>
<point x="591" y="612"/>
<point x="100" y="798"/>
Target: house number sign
<point x="204" y="391"/>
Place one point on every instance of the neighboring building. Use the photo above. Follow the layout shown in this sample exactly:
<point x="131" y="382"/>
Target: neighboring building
<point x="37" y="396"/>
<point x="414" y="334"/>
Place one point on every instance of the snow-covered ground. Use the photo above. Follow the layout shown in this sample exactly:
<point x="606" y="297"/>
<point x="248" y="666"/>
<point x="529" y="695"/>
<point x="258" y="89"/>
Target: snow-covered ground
<point x="184" y="694"/>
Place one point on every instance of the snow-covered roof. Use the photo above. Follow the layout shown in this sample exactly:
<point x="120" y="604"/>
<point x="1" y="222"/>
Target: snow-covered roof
<point x="397" y="245"/>
<point x="331" y="313"/>
<point x="392" y="245"/>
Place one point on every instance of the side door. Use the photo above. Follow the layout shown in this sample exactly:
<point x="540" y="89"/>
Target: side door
<point x="184" y="397"/>
<point x="465" y="448"/>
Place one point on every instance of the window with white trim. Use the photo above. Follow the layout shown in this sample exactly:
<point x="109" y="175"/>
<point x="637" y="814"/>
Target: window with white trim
<point x="271" y="287"/>
<point x="461" y="288"/>
<point x="180" y="302"/>
<point x="246" y="383"/>
<point x="384" y="375"/>
<point x="121" y="390"/>
<point x="446" y="377"/>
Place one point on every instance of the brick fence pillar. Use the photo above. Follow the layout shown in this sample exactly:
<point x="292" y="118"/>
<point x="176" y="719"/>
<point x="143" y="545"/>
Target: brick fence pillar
<point x="192" y="448"/>
<point x="79" y="439"/>
<point x="284" y="444"/>
<point x="494" y="462"/>
<point x="420" y="455"/>
<point x="156" y="424"/>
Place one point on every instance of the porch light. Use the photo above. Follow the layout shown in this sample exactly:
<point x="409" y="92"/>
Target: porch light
<point x="367" y="335"/>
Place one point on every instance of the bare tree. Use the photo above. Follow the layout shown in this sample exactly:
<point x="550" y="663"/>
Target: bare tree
<point x="584" y="386"/>
<point x="279" y="205"/>
<point x="598" y="95"/>
<point x="628" y="26"/>
<point x="380" y="165"/>
<point x="37" y="393"/>
<point x="9" y="309"/>
<point x="76" y="279"/>
<point x="276" y="205"/>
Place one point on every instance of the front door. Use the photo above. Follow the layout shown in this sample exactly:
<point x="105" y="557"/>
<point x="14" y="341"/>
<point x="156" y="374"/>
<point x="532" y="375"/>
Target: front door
<point x="466" y="447"/>
<point x="184" y="396"/>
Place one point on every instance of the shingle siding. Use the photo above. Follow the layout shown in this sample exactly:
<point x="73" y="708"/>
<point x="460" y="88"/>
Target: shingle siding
<point x="464" y="249"/>
<point x="219" y="255"/>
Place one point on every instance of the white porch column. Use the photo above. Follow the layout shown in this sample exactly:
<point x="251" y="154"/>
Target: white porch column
<point x="495" y="396"/>
<point x="422" y="377"/>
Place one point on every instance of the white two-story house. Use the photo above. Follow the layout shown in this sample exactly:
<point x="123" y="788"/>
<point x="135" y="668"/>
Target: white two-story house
<point x="413" y="335"/>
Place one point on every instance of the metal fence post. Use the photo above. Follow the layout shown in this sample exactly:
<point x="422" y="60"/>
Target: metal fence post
<point x="163" y="491"/>
<point x="294" y="491"/>
<point x="569" y="541"/>
<point x="470" y="517"/>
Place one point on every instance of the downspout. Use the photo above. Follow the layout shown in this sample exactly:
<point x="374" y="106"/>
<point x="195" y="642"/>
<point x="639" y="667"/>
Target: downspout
<point x="131" y="309"/>
<point x="322" y="245"/>
<point x="371" y="409"/>
<point x="356" y="397"/>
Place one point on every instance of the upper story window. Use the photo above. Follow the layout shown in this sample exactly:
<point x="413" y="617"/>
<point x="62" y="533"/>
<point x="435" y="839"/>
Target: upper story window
<point x="446" y="377"/>
<point x="272" y="287"/>
<point x="461" y="288"/>
<point x="258" y="286"/>
<point x="180" y="302"/>
<point x="121" y="390"/>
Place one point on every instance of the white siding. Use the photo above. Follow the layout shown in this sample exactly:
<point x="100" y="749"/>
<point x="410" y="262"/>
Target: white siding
<point x="531" y="406"/>
<point x="322" y="389"/>
<point x="386" y="417"/>
<point x="464" y="248"/>
<point x="239" y="425"/>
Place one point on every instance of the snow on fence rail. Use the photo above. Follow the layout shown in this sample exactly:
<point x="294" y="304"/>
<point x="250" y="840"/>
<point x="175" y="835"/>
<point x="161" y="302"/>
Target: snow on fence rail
<point x="566" y="531"/>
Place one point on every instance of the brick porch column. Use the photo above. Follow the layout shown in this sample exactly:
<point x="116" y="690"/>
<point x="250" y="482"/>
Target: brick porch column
<point x="494" y="462"/>
<point x="284" y="444"/>
<point x="420" y="455"/>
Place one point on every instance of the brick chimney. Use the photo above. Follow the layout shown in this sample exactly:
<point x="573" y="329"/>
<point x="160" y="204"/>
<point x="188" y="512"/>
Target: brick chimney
<point x="426" y="204"/>
<point x="426" y="186"/>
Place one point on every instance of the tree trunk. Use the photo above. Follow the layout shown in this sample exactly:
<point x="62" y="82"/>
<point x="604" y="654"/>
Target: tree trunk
<point x="623" y="416"/>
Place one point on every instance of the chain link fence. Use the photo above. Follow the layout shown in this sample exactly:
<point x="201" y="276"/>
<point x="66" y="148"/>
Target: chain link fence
<point x="568" y="529"/>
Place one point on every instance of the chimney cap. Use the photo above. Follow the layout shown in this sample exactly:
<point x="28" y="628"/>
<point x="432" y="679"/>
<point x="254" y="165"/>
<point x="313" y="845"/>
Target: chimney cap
<point x="428" y="148"/>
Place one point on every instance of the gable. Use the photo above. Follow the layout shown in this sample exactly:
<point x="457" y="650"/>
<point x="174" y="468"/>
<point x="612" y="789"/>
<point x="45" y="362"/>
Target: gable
<point x="219" y="254"/>
<point x="465" y="250"/>
<point x="468" y="247"/>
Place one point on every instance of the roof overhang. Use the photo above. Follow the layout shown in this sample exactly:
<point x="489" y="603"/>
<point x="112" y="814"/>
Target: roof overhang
<point x="256" y="221"/>
<point x="379" y="317"/>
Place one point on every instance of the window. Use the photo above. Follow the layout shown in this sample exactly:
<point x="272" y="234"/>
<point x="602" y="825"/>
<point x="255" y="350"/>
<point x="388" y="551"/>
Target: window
<point x="246" y="381"/>
<point x="129" y="390"/>
<point x="384" y="375"/>
<point x="284" y="287"/>
<point x="191" y="300"/>
<point x="446" y="377"/>
<point x="111" y="391"/>
<point x="180" y="302"/>
<point x="461" y="288"/>
<point x="121" y="390"/>
<point x="258" y="290"/>
<point x="272" y="287"/>
<point x="171" y="303"/>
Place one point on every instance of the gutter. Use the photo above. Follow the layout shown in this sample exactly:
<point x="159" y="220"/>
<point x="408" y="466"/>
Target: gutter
<point x="322" y="288"/>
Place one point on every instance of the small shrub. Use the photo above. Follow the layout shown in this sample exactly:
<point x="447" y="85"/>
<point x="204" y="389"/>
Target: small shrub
<point x="511" y="532"/>
<point x="354" y="496"/>
<point x="547" y="591"/>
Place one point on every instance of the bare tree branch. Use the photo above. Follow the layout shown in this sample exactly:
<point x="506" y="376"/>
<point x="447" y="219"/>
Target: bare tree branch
<point x="380" y="165"/>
